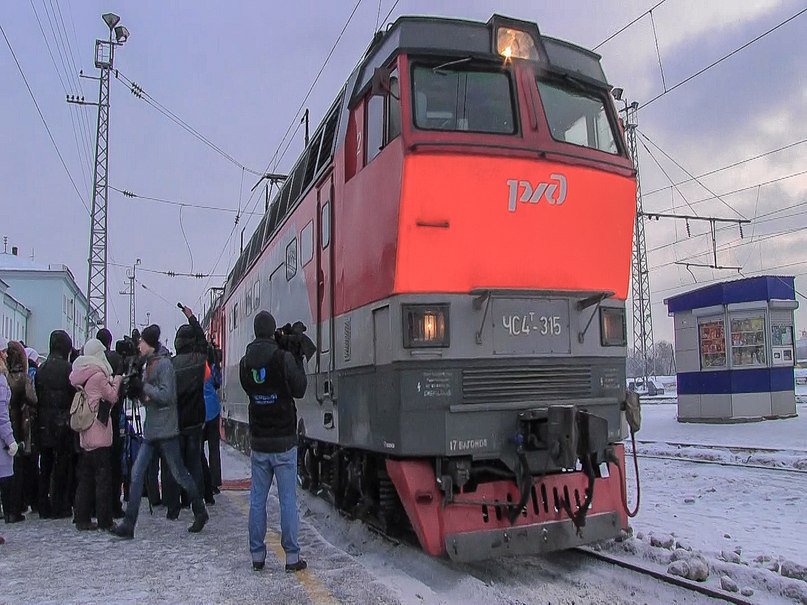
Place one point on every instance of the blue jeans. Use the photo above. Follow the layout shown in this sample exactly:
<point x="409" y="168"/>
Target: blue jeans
<point x="264" y="468"/>
<point x="169" y="448"/>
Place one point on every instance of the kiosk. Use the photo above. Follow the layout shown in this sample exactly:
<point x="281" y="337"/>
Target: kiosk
<point x="734" y="350"/>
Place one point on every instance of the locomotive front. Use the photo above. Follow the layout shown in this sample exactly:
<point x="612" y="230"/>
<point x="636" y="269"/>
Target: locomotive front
<point x="494" y="394"/>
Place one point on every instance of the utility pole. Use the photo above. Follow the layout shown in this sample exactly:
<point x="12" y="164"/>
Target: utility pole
<point x="96" y="278"/>
<point x="640" y="277"/>
<point x="130" y="292"/>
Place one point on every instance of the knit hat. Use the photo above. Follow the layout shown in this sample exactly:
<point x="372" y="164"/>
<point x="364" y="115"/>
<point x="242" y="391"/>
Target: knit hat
<point x="265" y="325"/>
<point x="32" y="354"/>
<point x="105" y="336"/>
<point x="151" y="335"/>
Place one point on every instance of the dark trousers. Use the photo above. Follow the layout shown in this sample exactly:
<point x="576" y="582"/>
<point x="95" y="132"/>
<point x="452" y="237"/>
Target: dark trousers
<point x="5" y="494"/>
<point x="116" y="455"/>
<point x="190" y="445"/>
<point x="94" y="477"/>
<point x="54" y="474"/>
<point x="211" y="466"/>
<point x="169" y="448"/>
<point x="22" y="493"/>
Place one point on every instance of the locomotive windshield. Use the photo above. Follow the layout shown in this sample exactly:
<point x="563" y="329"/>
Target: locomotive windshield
<point x="463" y="99"/>
<point x="577" y="117"/>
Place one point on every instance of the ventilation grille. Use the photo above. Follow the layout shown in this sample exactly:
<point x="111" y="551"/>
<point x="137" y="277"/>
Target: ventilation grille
<point x="525" y="383"/>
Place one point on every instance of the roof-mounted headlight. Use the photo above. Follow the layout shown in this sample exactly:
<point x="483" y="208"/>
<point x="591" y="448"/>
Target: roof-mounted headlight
<point x="513" y="43"/>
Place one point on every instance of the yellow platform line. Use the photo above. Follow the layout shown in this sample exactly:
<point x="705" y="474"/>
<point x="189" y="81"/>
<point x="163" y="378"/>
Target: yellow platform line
<point x="317" y="592"/>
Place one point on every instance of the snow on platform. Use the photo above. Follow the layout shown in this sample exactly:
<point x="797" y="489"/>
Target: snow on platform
<point x="49" y="561"/>
<point x="659" y="424"/>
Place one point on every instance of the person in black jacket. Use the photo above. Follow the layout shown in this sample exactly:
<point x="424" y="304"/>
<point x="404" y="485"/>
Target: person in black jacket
<point x="55" y="395"/>
<point x="115" y="360"/>
<point x="272" y="378"/>
<point x="189" y="365"/>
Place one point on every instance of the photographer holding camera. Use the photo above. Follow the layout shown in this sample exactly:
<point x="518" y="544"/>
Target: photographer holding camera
<point x="272" y="377"/>
<point x="158" y="393"/>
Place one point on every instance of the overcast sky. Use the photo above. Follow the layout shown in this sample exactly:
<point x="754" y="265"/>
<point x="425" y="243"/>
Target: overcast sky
<point x="238" y="71"/>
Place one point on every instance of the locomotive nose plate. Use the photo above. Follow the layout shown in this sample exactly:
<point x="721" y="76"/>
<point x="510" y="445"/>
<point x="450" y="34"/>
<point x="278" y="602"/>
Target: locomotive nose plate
<point x="528" y="326"/>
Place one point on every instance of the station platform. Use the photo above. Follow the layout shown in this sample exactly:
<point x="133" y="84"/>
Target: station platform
<point x="49" y="561"/>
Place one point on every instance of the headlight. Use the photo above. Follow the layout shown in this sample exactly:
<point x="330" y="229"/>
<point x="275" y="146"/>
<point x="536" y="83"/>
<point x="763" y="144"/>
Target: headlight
<point x="513" y="43"/>
<point x="612" y="327"/>
<point x="425" y="326"/>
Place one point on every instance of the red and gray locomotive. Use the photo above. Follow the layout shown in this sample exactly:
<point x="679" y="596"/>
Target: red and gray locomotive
<point x="457" y="236"/>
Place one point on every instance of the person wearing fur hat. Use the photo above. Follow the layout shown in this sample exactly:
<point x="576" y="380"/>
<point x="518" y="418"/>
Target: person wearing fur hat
<point x="158" y="393"/>
<point x="22" y="412"/>
<point x="93" y="373"/>
<point x="55" y="396"/>
<point x="8" y="445"/>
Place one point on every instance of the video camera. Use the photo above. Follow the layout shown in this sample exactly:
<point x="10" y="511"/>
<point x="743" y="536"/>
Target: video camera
<point x="292" y="338"/>
<point x="132" y="382"/>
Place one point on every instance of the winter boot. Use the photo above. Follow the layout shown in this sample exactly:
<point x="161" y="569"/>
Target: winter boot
<point x="199" y="522"/>
<point x="86" y="526"/>
<point x="14" y="518"/>
<point x="299" y="566"/>
<point x="123" y="530"/>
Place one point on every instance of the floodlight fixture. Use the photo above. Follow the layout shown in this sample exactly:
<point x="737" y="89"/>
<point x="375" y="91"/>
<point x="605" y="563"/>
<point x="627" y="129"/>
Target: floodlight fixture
<point x="111" y="19"/>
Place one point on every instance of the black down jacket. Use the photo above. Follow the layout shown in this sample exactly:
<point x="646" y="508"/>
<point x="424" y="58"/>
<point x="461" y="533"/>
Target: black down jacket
<point x="189" y="365"/>
<point x="54" y="391"/>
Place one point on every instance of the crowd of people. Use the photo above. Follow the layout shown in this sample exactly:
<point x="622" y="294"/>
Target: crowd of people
<point x="72" y="444"/>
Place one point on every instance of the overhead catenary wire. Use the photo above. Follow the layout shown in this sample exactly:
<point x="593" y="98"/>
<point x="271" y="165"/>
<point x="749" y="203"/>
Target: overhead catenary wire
<point x="138" y="91"/>
<point x="180" y="203"/>
<point x="627" y="25"/>
<point x="723" y="58"/>
<point x="688" y="173"/>
<point x="274" y="160"/>
<point x="726" y="167"/>
<point x="44" y="121"/>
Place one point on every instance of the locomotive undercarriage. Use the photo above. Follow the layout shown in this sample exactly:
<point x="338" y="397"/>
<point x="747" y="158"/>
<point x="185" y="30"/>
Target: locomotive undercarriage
<point x="472" y="509"/>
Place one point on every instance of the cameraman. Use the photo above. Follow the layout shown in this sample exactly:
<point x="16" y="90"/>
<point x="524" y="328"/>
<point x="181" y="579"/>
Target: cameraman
<point x="272" y="377"/>
<point x="158" y="393"/>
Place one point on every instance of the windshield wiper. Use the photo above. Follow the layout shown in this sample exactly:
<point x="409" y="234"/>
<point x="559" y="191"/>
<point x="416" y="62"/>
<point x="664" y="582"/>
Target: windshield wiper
<point x="439" y="68"/>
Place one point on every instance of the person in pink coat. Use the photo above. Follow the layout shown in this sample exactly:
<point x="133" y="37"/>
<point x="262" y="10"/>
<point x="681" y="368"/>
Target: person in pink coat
<point x="92" y="372"/>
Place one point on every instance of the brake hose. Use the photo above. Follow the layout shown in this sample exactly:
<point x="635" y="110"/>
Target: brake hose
<point x="622" y="484"/>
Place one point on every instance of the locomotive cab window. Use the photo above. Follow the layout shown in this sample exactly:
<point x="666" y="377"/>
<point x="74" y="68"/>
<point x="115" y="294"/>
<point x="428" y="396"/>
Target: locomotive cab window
<point x="577" y="117"/>
<point x="461" y="99"/>
<point x="383" y="117"/>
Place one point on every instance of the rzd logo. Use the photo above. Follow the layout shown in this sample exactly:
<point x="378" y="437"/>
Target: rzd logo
<point x="554" y="192"/>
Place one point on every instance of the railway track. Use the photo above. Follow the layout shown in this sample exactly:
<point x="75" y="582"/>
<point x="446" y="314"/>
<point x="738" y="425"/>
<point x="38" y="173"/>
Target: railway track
<point x="736" y="450"/>
<point x="665" y="577"/>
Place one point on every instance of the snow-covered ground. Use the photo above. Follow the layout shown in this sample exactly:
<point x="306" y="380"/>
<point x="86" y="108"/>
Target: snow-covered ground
<point x="748" y="524"/>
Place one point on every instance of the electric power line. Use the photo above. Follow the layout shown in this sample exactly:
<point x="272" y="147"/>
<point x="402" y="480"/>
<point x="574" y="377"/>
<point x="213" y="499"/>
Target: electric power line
<point x="182" y="204"/>
<point x="726" y="167"/>
<point x="721" y="59"/>
<point x="44" y="121"/>
<point x="291" y="125"/>
<point x="688" y="173"/>
<point x="139" y="92"/>
<point x="624" y="27"/>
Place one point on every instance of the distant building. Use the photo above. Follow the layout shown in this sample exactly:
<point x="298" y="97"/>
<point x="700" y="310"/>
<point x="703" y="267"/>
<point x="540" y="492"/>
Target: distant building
<point x="13" y="315"/>
<point x="50" y="296"/>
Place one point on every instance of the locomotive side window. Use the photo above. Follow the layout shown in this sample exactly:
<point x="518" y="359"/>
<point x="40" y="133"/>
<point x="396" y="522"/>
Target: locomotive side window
<point x="393" y="100"/>
<point x="577" y="117"/>
<point x="374" y="129"/>
<point x="307" y="244"/>
<point x="474" y="101"/>
<point x="291" y="259"/>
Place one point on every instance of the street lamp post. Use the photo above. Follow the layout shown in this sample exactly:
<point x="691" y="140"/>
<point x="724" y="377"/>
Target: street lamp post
<point x="97" y="276"/>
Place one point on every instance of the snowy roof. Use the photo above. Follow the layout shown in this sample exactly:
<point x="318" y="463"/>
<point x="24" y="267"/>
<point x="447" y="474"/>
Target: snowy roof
<point x="764" y="287"/>
<point x="12" y="262"/>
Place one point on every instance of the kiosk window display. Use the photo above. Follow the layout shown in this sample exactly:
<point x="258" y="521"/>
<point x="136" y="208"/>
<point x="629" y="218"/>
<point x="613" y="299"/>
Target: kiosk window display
<point x="748" y="341"/>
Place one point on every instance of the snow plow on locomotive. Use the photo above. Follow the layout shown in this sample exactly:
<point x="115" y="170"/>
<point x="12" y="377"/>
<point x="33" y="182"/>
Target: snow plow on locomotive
<point x="457" y="236"/>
